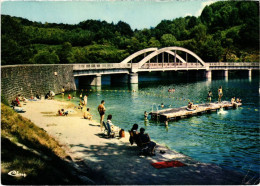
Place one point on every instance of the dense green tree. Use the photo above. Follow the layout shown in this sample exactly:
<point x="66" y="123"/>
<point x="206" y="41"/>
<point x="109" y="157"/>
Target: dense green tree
<point x="168" y="40"/>
<point x="225" y="31"/>
<point x="45" y="57"/>
<point x="65" y="53"/>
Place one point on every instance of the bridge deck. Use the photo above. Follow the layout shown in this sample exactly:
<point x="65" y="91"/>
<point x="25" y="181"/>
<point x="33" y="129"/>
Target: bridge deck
<point x="182" y="112"/>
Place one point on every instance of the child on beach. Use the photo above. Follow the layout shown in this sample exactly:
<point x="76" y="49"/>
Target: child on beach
<point x="69" y="97"/>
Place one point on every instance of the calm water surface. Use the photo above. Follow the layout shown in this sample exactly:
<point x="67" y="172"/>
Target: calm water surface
<point x="230" y="139"/>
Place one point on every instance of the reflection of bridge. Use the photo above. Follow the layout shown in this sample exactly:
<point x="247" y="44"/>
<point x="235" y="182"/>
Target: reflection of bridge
<point x="153" y="59"/>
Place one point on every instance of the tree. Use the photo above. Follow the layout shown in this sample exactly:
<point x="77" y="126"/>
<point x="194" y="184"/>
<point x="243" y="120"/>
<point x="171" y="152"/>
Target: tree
<point x="45" y="57"/>
<point x="154" y="42"/>
<point x="168" y="40"/>
<point x="65" y="53"/>
<point x="124" y="28"/>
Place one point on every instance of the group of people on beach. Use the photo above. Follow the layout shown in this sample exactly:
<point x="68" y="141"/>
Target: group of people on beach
<point x="50" y="95"/>
<point x="142" y="140"/>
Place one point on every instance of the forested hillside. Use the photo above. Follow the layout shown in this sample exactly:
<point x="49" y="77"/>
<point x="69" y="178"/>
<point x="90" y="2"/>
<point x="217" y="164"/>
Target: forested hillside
<point x="225" y="31"/>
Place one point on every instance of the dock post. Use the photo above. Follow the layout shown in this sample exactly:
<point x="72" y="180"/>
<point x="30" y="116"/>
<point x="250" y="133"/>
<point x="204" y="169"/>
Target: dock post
<point x="250" y="73"/>
<point x="96" y="80"/>
<point x="133" y="78"/>
<point x="226" y="74"/>
<point x="208" y="74"/>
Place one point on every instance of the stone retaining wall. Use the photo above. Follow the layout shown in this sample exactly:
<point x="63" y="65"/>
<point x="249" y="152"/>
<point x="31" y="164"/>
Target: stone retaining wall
<point x="29" y="80"/>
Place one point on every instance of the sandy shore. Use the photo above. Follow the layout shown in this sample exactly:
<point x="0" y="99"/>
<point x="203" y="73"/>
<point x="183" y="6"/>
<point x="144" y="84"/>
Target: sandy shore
<point x="114" y="159"/>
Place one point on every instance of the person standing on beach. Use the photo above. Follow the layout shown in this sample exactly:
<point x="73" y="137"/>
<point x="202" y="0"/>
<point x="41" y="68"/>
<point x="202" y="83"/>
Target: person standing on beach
<point x="101" y="110"/>
<point x="62" y="92"/>
<point x="220" y="94"/>
<point x="80" y="96"/>
<point x="85" y="100"/>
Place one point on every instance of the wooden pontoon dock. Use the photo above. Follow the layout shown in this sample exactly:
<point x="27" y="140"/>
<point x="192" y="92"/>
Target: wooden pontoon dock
<point x="182" y="112"/>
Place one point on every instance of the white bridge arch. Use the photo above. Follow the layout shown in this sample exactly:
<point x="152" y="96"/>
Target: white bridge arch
<point x="156" y="52"/>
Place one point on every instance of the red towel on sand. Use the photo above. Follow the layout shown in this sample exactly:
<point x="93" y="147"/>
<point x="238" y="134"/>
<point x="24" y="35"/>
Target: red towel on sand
<point x="166" y="164"/>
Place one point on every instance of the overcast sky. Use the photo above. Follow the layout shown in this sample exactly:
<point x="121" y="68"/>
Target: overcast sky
<point x="138" y="14"/>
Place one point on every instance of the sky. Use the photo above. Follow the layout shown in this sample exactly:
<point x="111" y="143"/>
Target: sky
<point x="138" y="14"/>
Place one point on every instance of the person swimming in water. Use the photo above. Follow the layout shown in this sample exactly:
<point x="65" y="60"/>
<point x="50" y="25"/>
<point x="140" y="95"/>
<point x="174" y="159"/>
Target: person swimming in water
<point x="162" y="105"/>
<point x="145" y="115"/>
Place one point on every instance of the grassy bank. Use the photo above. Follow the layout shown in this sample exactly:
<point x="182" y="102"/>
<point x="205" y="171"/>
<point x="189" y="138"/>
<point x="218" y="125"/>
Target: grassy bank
<point x="29" y="150"/>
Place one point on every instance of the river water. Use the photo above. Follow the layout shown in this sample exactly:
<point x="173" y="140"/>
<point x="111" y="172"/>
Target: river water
<point x="230" y="140"/>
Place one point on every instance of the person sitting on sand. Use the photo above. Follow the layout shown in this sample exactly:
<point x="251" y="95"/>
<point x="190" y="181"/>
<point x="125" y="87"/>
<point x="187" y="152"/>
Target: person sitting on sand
<point x="59" y="113"/>
<point x="47" y="96"/>
<point x="21" y="98"/>
<point x="134" y="137"/>
<point x="37" y="96"/>
<point x="64" y="113"/>
<point x="69" y="97"/>
<point x="80" y="107"/>
<point x="18" y="101"/>
<point x="145" y="140"/>
<point x="87" y="115"/>
<point x="111" y="128"/>
<point x="52" y="94"/>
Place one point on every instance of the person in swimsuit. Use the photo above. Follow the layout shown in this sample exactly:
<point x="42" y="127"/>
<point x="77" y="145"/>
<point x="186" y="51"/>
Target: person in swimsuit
<point x="85" y="100"/>
<point x="145" y="115"/>
<point x="69" y="97"/>
<point x="220" y="94"/>
<point x="62" y="92"/>
<point x="87" y="115"/>
<point x="209" y="96"/>
<point x="101" y="110"/>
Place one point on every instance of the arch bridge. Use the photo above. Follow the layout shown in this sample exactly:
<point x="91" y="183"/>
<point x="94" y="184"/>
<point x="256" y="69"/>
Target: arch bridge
<point x="153" y="59"/>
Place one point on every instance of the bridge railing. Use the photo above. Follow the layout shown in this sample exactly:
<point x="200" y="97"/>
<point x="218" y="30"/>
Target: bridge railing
<point x="234" y="64"/>
<point x="93" y="66"/>
<point x="171" y="65"/>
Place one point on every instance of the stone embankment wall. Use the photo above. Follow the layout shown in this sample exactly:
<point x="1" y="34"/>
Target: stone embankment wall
<point x="29" y="80"/>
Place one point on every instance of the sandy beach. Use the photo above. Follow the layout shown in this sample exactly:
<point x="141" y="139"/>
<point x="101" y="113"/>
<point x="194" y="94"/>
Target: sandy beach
<point x="114" y="159"/>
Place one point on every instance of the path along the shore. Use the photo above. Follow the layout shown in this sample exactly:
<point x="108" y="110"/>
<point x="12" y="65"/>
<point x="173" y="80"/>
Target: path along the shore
<point x="115" y="159"/>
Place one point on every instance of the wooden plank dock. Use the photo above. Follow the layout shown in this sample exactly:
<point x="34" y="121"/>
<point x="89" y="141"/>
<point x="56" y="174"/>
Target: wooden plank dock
<point x="182" y="112"/>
